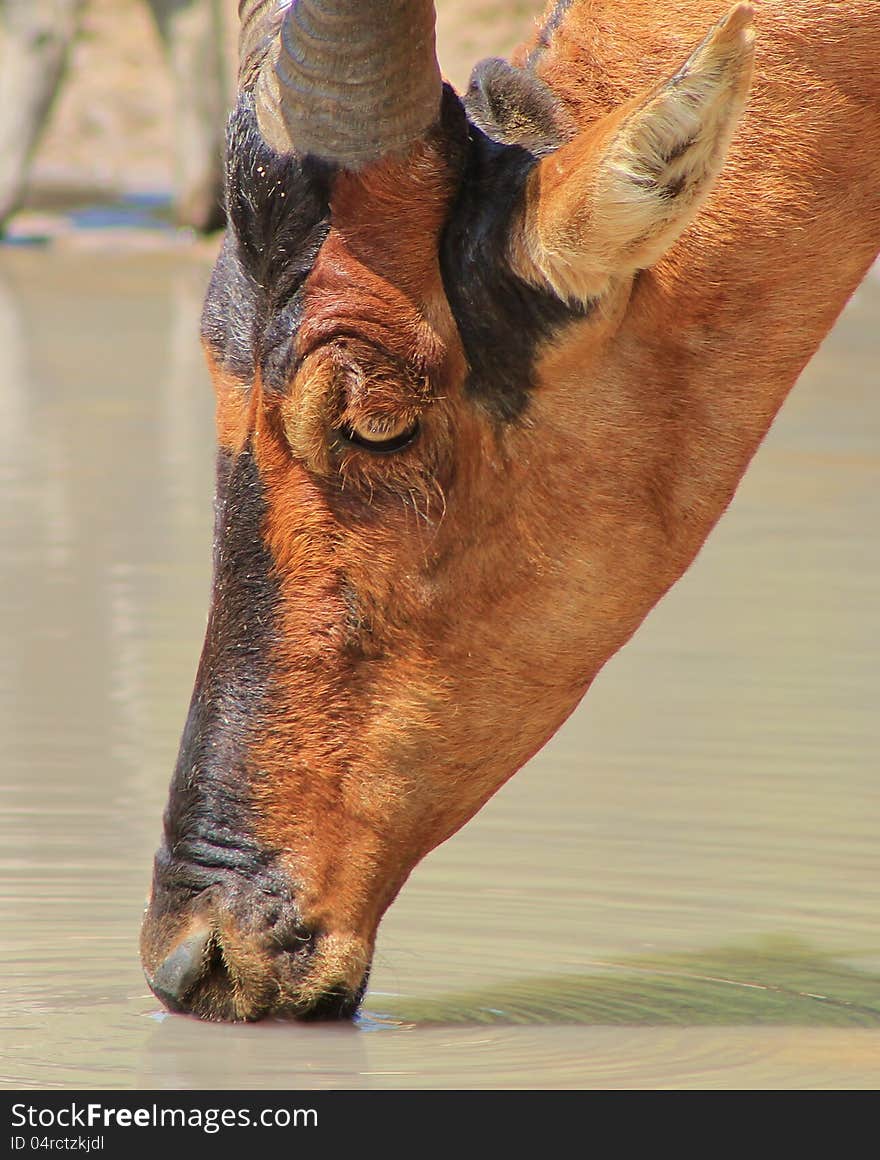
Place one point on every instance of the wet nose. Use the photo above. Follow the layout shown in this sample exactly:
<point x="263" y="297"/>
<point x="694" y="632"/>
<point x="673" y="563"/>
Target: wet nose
<point x="179" y="973"/>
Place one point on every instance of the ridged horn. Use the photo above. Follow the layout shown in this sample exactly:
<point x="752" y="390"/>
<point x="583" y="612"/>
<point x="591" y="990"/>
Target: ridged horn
<point x="259" y="22"/>
<point x="346" y="80"/>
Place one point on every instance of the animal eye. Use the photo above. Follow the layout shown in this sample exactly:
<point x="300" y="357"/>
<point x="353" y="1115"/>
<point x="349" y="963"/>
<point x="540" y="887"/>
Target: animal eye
<point x="381" y="437"/>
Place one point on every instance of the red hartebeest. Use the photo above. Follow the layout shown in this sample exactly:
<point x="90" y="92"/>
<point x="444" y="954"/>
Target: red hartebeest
<point x="488" y="371"/>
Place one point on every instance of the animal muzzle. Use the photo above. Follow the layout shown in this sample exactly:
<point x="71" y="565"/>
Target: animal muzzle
<point x="235" y="952"/>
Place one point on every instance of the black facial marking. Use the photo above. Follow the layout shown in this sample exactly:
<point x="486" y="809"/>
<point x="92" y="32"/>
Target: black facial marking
<point x="512" y="106"/>
<point x="229" y="313"/>
<point x="501" y="319"/>
<point x="277" y="205"/>
<point x="278" y="209"/>
<point x="278" y="214"/>
<point x="207" y="822"/>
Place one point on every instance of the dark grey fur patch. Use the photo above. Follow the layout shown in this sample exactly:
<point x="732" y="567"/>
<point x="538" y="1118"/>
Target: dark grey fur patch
<point x="278" y="210"/>
<point x="515" y="120"/>
<point x="230" y="311"/>
<point x="207" y="820"/>
<point x="512" y="106"/>
<point x="278" y="219"/>
<point x="502" y="319"/>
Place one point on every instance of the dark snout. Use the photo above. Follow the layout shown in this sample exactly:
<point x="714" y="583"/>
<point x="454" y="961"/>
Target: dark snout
<point x="228" y="933"/>
<point x="236" y="951"/>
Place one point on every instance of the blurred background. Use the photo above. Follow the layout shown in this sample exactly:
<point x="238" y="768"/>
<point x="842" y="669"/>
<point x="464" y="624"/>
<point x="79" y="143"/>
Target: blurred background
<point x="682" y="889"/>
<point x="124" y="100"/>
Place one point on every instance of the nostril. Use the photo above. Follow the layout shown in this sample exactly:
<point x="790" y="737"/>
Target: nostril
<point x="184" y="968"/>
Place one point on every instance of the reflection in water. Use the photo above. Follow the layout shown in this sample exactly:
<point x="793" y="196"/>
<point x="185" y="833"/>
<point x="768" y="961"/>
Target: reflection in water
<point x="13" y="433"/>
<point x="182" y="1053"/>
<point x="13" y="384"/>
<point x="797" y="986"/>
<point x="717" y="789"/>
<point x="488" y="1031"/>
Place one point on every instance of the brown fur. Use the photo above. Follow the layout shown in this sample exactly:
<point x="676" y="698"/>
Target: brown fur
<point x="444" y="610"/>
<point x="377" y="340"/>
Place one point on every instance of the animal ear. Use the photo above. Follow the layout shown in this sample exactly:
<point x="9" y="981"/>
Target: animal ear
<point x="614" y="199"/>
<point x="513" y="106"/>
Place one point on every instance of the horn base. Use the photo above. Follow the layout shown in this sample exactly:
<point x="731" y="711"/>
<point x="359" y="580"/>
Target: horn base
<point x="348" y="82"/>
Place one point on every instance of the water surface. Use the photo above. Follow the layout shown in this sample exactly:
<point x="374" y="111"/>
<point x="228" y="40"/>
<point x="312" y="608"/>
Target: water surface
<point x="682" y="889"/>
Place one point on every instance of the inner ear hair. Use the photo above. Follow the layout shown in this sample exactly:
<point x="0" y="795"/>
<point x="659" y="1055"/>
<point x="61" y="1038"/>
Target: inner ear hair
<point x="613" y="200"/>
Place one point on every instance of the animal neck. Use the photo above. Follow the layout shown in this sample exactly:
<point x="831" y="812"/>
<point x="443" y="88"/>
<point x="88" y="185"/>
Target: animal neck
<point x="716" y="334"/>
<point x="653" y="407"/>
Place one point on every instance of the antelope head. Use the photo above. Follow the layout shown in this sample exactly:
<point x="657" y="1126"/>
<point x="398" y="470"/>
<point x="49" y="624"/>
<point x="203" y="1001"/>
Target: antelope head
<point x="443" y="499"/>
